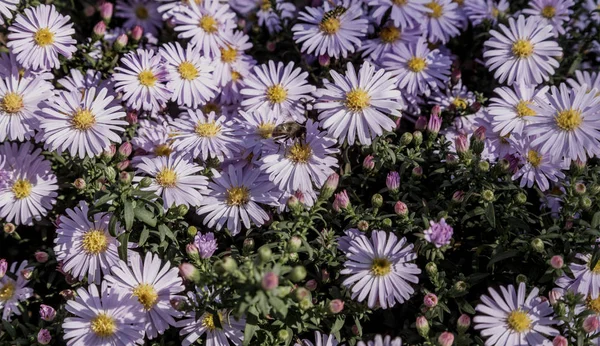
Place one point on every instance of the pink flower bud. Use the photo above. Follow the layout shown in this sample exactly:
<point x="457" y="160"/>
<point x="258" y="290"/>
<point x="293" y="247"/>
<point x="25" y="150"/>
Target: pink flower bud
<point x="436" y="110"/>
<point x="271" y="46"/>
<point x="110" y="151"/>
<point x="591" y="324"/>
<point x="435" y="124"/>
<point x="44" y="337"/>
<point x="461" y="143"/>
<point x="137" y="32"/>
<point x="124" y="177"/>
<point x="458" y="196"/>
<point x="100" y="29"/>
<point x="324" y="275"/>
<point x="123" y="165"/>
<point x="560" y="341"/>
<point x="421" y="123"/>
<point x="392" y="181"/>
<point x="422" y="325"/>
<point x="417" y="172"/>
<point x="192" y="251"/>
<point x="47" y="313"/>
<point x="479" y="134"/>
<point x="106" y="10"/>
<point x="189" y="272"/>
<point x="336" y="306"/>
<point x="131" y="117"/>
<point x="79" y="184"/>
<point x="121" y="41"/>
<point x="341" y="201"/>
<point x="177" y="303"/>
<point x="446" y="339"/>
<point x="324" y="60"/>
<point x="463" y="323"/>
<point x="270" y="281"/>
<point x="451" y="159"/>
<point x="3" y="267"/>
<point x="400" y="208"/>
<point x="369" y="163"/>
<point x="330" y="186"/>
<point x="298" y="194"/>
<point x="125" y="149"/>
<point x="557" y="262"/>
<point x="311" y="285"/>
<point x="430" y="300"/>
<point x="41" y="256"/>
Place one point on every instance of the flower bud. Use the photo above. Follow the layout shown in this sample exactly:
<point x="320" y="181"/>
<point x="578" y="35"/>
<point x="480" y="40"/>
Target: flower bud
<point x="229" y="264"/>
<point x="301" y="293"/>
<point x="387" y="223"/>
<point x="487" y="195"/>
<point x="189" y="272"/>
<point x="330" y="186"/>
<point x="99" y="30"/>
<point x="67" y="294"/>
<point x="125" y="177"/>
<point x="131" y="117"/>
<point x="521" y="198"/>
<point x="145" y="182"/>
<point x="3" y="267"/>
<point x="248" y="245"/>
<point x="294" y="244"/>
<point x="108" y="153"/>
<point x="362" y="225"/>
<point x="483" y="166"/>
<point x="554" y="296"/>
<point x="400" y="208"/>
<point x="137" y="32"/>
<point x="270" y="281"/>
<point x="192" y="251"/>
<point x="369" y="163"/>
<point x="264" y="253"/>
<point x="305" y="304"/>
<point x="106" y="10"/>
<point x="393" y="181"/>
<point x="460" y="286"/>
<point x="537" y="244"/>
<point x="455" y="76"/>
<point x="446" y="339"/>
<point x="458" y="196"/>
<point x="557" y="262"/>
<point x="421" y="123"/>
<point x="431" y="269"/>
<point x="355" y="330"/>
<point x="44" y="337"/>
<point x="311" y="285"/>
<point x="324" y="60"/>
<point x="591" y="324"/>
<point x="336" y="306"/>
<point x="120" y="42"/>
<point x="123" y="165"/>
<point x="417" y="172"/>
<point x="560" y="341"/>
<point x="271" y="46"/>
<point x="521" y="278"/>
<point x="377" y="200"/>
<point x="298" y="274"/>
<point x="341" y="201"/>
<point x="192" y="231"/>
<point x="125" y="150"/>
<point x="422" y="326"/>
<point x="417" y="138"/>
<point x="41" y="256"/>
<point x="178" y="303"/>
<point x="475" y="107"/>
<point x="585" y="202"/>
<point x="463" y="323"/>
<point x="406" y="138"/>
<point x="434" y="125"/>
<point x="580" y="188"/>
<point x="430" y="300"/>
<point x="283" y="335"/>
<point x="324" y="275"/>
<point x="461" y="144"/>
<point x="9" y="228"/>
<point x="47" y="313"/>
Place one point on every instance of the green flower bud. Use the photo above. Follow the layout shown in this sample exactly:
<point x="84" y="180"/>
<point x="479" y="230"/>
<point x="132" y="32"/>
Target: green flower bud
<point x="229" y="264"/>
<point x="294" y="244"/>
<point x="417" y="138"/>
<point x="264" y="253"/>
<point x="585" y="202"/>
<point x="377" y="200"/>
<point x="431" y="269"/>
<point x="483" y="166"/>
<point x="537" y="244"/>
<point x="487" y="195"/>
<point x="521" y="198"/>
<point x="298" y="274"/>
<point x="503" y="165"/>
<point x="192" y="231"/>
<point x="594" y="189"/>
<point x="110" y="173"/>
<point x="293" y="257"/>
<point x="182" y="209"/>
<point x="145" y="182"/>
<point x="386" y="223"/>
<point x="283" y="335"/>
<point x="362" y="225"/>
<point x="406" y="138"/>
<point x="248" y="245"/>
<point x="305" y="304"/>
<point x="460" y="286"/>
<point x="521" y="278"/>
<point x="301" y="293"/>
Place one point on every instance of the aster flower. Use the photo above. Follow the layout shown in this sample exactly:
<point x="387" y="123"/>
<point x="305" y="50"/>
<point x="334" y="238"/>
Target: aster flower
<point x="300" y="164"/>
<point x="418" y="68"/>
<point x="567" y="124"/>
<point x="512" y="110"/>
<point x="153" y="287"/>
<point x="443" y="21"/>
<point x="206" y="244"/>
<point x="205" y="135"/>
<point x="105" y="317"/>
<point x="456" y="96"/>
<point x="481" y="10"/>
<point x="378" y="268"/>
<point x="586" y="279"/>
<point x="382" y="341"/>
<point x="233" y="60"/>
<point x="272" y="19"/>
<point x="357" y="104"/>
<point x="175" y="179"/>
<point x="76" y="81"/>
<point x="142" y="78"/>
<point x="86" y="247"/>
<point x="551" y="12"/>
<point x="28" y="187"/>
<point x="39" y="35"/>
<point x="230" y="332"/>
<point x="439" y="233"/>
<point x="20" y="99"/>
<point x="590" y="80"/>
<point x="13" y="292"/>
<point x="538" y="168"/>
<point x="320" y="340"/>
<point x="257" y="128"/>
<point x="190" y="75"/>
<point x="153" y="139"/>
<point x="404" y="13"/>
<point x="234" y="197"/>
<point x="388" y="37"/>
<point x="335" y="31"/>
<point x="523" y="52"/>
<point x="278" y="88"/>
<point x="591" y="6"/>
<point x="84" y="125"/>
<point x="514" y="318"/>
<point x="143" y="13"/>
<point x="7" y="7"/>
<point x="206" y="25"/>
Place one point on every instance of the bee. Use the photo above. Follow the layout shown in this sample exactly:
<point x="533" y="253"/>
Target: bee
<point x="336" y="12"/>
<point x="289" y="130"/>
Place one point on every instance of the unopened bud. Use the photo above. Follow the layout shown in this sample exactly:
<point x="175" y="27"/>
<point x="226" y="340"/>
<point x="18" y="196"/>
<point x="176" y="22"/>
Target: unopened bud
<point x="47" y="313"/>
<point x="44" y="337"/>
<point x="123" y="165"/>
<point x="422" y="326"/>
<point x="125" y="177"/>
<point x="324" y="60"/>
<point x="580" y="188"/>
<point x="430" y="300"/>
<point x="431" y="269"/>
<point x="145" y="182"/>
<point x="463" y="323"/>
<point x="393" y="181"/>
<point x="294" y="244"/>
<point x="330" y="186"/>
<point x="336" y="306"/>
<point x="305" y="304"/>
<point x="137" y="32"/>
<point x="121" y="42"/>
<point x="298" y="274"/>
<point x="417" y="172"/>
<point x="192" y="231"/>
<point x="521" y="198"/>
<point x="192" y="251"/>
<point x="362" y="225"/>
<point x="446" y="339"/>
<point x="324" y="275"/>
<point x="125" y="150"/>
<point x="131" y="117"/>
<point x="369" y="163"/>
<point x="106" y="10"/>
<point x="377" y="200"/>
<point x="79" y="184"/>
<point x="434" y="125"/>
<point x="483" y="166"/>
<point x="283" y="335"/>
<point x="451" y="160"/>
<point x="311" y="285"/>
<point x="41" y="256"/>
<point x="487" y="195"/>
<point x="406" y="138"/>
<point x="461" y="143"/>
<point x="421" y="123"/>
<point x="248" y="245"/>
<point x="301" y="293"/>
<point x="189" y="272"/>
<point x="109" y="152"/>
<point x="554" y="296"/>
<point x="585" y="202"/>
<point x="401" y="209"/>
<point x="341" y="201"/>
<point x="264" y="253"/>
<point x="387" y="223"/>
<point x="417" y="138"/>
<point x="270" y="281"/>
<point x="9" y="228"/>
<point x="560" y="341"/>
<point x="537" y="244"/>
<point x="99" y="29"/>
<point x="521" y="278"/>
<point x="591" y="324"/>
<point x="557" y="262"/>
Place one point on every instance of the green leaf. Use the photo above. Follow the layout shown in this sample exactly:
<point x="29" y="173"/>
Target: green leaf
<point x="9" y="329"/>
<point x="339" y="323"/>
<point x="123" y="239"/>
<point x="162" y="228"/>
<point x="251" y="325"/>
<point x="143" y="237"/>
<point x="128" y="214"/>
<point x="502" y="256"/>
<point x="596" y="220"/>
<point x="145" y="216"/>
<point x="490" y="214"/>
<point x="102" y="200"/>
<point x="279" y="305"/>
<point x="112" y="225"/>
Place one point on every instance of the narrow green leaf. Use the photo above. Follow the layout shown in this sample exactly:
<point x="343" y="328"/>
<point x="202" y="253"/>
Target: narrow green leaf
<point x="143" y="237"/>
<point x="128" y="214"/>
<point x="123" y="239"/>
<point x="490" y="214"/>
<point x="145" y="216"/>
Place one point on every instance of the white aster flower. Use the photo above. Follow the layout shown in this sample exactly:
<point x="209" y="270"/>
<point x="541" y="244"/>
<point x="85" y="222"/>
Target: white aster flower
<point x="404" y="13"/>
<point x="230" y="332"/>
<point x="442" y="23"/>
<point x="7" y="7"/>
<point x="13" y="292"/>
<point x="142" y="13"/>
<point x="512" y="109"/>
<point x="551" y="12"/>
<point x="388" y="37"/>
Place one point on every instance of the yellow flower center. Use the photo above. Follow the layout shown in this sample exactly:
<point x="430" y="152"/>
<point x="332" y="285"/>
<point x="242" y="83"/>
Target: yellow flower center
<point x="276" y="93"/>
<point x="166" y="178"/>
<point x="266" y="5"/>
<point x="207" y="129"/>
<point x="357" y="100"/>
<point x="43" y="37"/>
<point x="235" y="76"/>
<point x="265" y="130"/>
<point x="103" y="325"/>
<point x="389" y="34"/>
<point x="569" y="119"/>
<point x="400" y="2"/>
<point x="534" y="158"/>
<point x="495" y="12"/>
<point x="299" y="153"/>
<point x="416" y="64"/>
<point x="330" y="25"/>
<point x="522" y="49"/>
<point x="239" y="195"/>
<point x="7" y="291"/>
<point x="163" y="150"/>
<point x="147" y="78"/>
<point x="437" y="9"/>
<point x="187" y="70"/>
<point x="83" y="119"/>
<point x="146" y="295"/>
<point x="208" y="321"/>
<point x="548" y="12"/>
<point x="381" y="266"/>
<point x="228" y="55"/>
<point x="460" y="103"/>
<point x="208" y="24"/>
<point x="593" y="304"/>
<point x="519" y="321"/>
<point x="141" y="12"/>
<point x="523" y="110"/>
<point x="21" y="188"/>
<point x="95" y="242"/>
<point x="12" y="103"/>
<point x="596" y="269"/>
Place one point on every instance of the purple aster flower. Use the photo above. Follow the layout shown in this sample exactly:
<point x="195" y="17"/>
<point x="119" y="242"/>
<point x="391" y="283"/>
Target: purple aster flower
<point x="206" y="244"/>
<point x="439" y="233"/>
<point x="392" y="181"/>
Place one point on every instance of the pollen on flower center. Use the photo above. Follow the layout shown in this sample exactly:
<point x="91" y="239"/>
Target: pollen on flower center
<point x="7" y="291"/>
<point x="495" y="12"/>
<point x="522" y="49"/>
<point x="265" y="130"/>
<point x="534" y="158"/>
<point x="187" y="70"/>
<point x="569" y="119"/>
<point x="389" y="34"/>
<point x="44" y="37"/>
<point x="523" y="110"/>
<point x="21" y="188"/>
<point x="460" y="103"/>
<point x="207" y="129"/>
<point x="330" y="25"/>
<point x="12" y="103"/>
<point x="266" y="5"/>
<point x="208" y="24"/>
<point x="276" y="93"/>
<point x="166" y="178"/>
<point x="103" y="325"/>
<point x="147" y="78"/>
<point x="146" y="295"/>
<point x="548" y="12"/>
<point x="95" y="242"/>
<point x="228" y="55"/>
<point x="141" y="12"/>
<point x="357" y="100"/>
<point x="437" y="9"/>
<point x="163" y="150"/>
<point x="381" y="266"/>
<point x="416" y="64"/>
<point x="83" y="119"/>
<point x="593" y="304"/>
<point x="239" y="195"/>
<point x="519" y="321"/>
<point x="209" y="323"/>
<point x="299" y="153"/>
